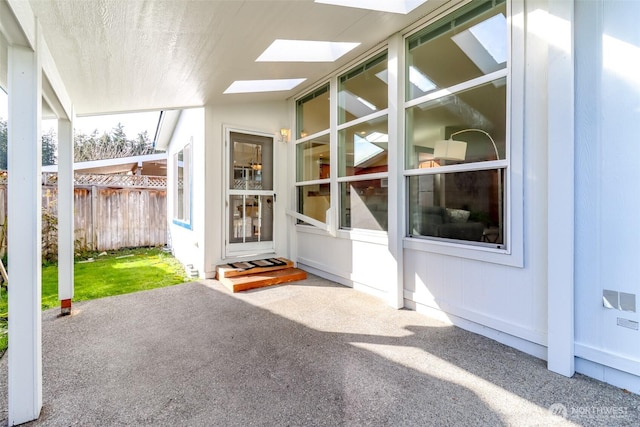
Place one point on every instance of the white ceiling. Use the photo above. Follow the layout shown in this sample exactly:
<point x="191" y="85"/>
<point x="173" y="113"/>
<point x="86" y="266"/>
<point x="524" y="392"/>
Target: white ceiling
<point x="133" y="55"/>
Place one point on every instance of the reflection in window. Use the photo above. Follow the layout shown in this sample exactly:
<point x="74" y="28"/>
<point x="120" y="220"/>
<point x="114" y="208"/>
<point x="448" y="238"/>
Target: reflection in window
<point x="251" y="218"/>
<point x="182" y="185"/>
<point x="364" y="204"/>
<point x="312" y="113"/>
<point x="483" y="107"/>
<point x="363" y="148"/>
<point x="462" y="206"/>
<point x="251" y="162"/>
<point x="467" y="44"/>
<point x="363" y="90"/>
<point x="313" y="159"/>
<point x="465" y="125"/>
<point x="314" y="201"/>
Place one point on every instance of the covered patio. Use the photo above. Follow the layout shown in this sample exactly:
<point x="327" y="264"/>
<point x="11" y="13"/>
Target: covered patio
<point x="309" y="353"/>
<point x="556" y="287"/>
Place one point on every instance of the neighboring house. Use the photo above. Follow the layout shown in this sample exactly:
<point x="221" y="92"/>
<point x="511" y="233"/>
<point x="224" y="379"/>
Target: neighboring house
<point x="524" y="230"/>
<point x="148" y="164"/>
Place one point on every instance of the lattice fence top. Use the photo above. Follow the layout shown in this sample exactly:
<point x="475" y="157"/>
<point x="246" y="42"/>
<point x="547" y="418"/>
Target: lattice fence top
<point x="102" y="180"/>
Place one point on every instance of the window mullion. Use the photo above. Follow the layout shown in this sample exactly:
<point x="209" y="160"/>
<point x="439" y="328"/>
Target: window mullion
<point x="365" y="177"/>
<point x="364" y="119"/>
<point x="469" y="84"/>
<point x="464" y="167"/>
<point x="333" y="150"/>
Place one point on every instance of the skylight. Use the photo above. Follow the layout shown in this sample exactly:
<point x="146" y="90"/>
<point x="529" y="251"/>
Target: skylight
<point x="250" y="86"/>
<point x="355" y="105"/>
<point x="365" y="147"/>
<point x="416" y="77"/>
<point x="393" y="6"/>
<point x="305" y="51"/>
<point x="419" y="80"/>
<point x="485" y="43"/>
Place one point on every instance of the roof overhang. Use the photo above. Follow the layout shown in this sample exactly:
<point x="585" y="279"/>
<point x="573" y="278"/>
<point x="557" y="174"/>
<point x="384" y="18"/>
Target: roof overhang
<point x="150" y="164"/>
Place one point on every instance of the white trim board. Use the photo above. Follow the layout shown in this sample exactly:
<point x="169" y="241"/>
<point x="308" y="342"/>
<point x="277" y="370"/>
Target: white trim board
<point x="517" y="343"/>
<point x="482" y="320"/>
<point x="322" y="271"/>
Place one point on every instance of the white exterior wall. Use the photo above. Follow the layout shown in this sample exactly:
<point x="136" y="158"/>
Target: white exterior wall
<point x="562" y="272"/>
<point x="505" y="302"/>
<point x="505" y="298"/>
<point x="361" y="262"/>
<point x="607" y="197"/>
<point x="266" y="118"/>
<point x="188" y="245"/>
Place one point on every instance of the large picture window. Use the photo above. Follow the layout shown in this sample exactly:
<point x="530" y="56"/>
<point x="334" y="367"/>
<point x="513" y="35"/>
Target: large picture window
<point x="182" y="186"/>
<point x="456" y="150"/>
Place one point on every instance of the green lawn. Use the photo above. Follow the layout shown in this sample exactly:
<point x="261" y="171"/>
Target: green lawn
<point x="116" y="273"/>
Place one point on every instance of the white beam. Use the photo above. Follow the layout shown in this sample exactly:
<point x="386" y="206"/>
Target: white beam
<point x="65" y="215"/>
<point x="50" y="70"/>
<point x="560" y="238"/>
<point x="17" y="22"/>
<point x="24" y="250"/>
<point x="396" y="166"/>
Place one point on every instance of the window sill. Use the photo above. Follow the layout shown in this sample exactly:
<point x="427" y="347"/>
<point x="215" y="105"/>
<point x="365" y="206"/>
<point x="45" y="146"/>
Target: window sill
<point x="360" y="235"/>
<point x="183" y="224"/>
<point x="368" y="236"/>
<point x="468" y="251"/>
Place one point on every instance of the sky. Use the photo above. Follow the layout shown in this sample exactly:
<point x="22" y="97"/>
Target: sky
<point x="134" y="123"/>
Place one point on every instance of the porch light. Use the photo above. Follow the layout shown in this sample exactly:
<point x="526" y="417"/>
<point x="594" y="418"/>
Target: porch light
<point x="284" y="134"/>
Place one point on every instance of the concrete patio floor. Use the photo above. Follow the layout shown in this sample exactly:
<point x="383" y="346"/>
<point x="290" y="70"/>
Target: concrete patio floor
<point x="310" y="353"/>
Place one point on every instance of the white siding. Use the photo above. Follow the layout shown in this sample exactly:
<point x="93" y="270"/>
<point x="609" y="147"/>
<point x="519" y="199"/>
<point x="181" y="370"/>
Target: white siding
<point x="607" y="177"/>
<point x="498" y="299"/>
<point x="364" y="265"/>
<point x="188" y="244"/>
<point x="259" y="117"/>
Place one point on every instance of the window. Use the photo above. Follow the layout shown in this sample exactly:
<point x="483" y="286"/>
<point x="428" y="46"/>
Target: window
<point x="456" y="155"/>
<point x="313" y="113"/>
<point x="363" y="144"/>
<point x="182" y="195"/>
<point x="313" y="155"/>
<point x="359" y="164"/>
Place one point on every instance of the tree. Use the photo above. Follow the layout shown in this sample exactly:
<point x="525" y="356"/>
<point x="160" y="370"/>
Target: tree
<point x="3" y="144"/>
<point x="110" y="145"/>
<point x="49" y="148"/>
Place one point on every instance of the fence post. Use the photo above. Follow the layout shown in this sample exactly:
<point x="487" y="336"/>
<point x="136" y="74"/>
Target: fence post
<point x="94" y="217"/>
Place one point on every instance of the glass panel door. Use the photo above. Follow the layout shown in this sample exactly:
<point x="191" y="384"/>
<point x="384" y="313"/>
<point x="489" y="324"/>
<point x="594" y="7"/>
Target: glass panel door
<point x="250" y="194"/>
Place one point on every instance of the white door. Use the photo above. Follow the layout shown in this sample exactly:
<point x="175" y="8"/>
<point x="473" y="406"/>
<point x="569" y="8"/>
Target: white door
<point x="250" y="195"/>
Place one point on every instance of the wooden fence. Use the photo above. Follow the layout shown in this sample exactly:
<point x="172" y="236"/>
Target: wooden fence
<point x="105" y="218"/>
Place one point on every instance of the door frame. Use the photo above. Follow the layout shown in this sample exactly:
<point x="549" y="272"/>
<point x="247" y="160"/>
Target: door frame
<point x="252" y="248"/>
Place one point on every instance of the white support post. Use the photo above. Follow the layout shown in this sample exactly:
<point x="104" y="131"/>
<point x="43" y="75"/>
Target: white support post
<point x="65" y="215"/>
<point x="24" y="249"/>
<point x="561" y="176"/>
<point x="396" y="200"/>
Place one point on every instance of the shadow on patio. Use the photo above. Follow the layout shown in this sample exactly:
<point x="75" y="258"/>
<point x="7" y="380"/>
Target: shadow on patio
<point x="309" y="353"/>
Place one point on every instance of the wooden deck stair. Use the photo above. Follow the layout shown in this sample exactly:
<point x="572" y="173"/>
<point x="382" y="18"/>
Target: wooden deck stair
<point x="242" y="276"/>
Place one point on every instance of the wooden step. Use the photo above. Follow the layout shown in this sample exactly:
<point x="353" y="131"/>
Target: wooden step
<point x="246" y="268"/>
<point x="262" y="279"/>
